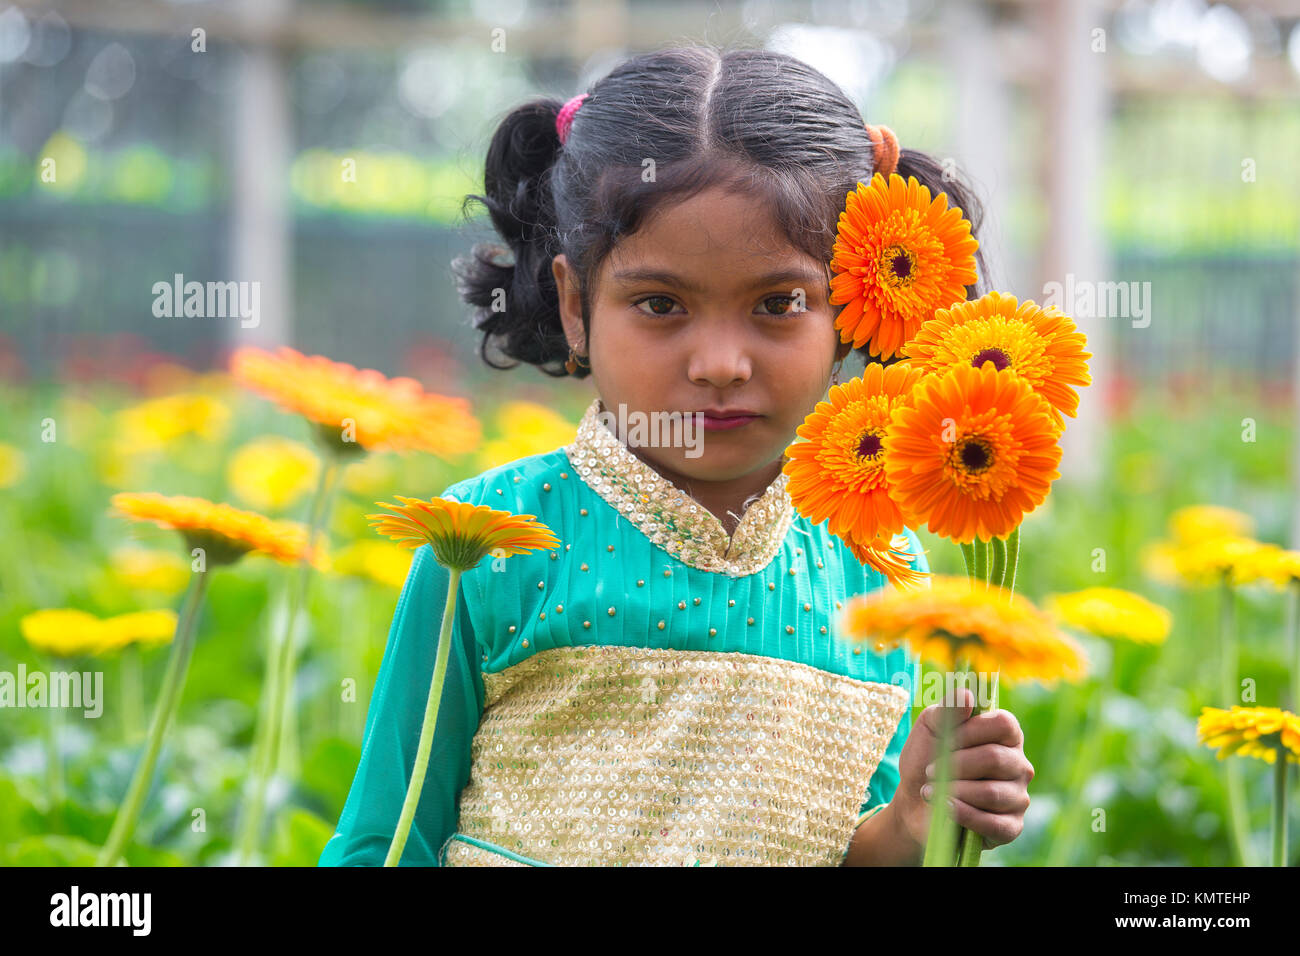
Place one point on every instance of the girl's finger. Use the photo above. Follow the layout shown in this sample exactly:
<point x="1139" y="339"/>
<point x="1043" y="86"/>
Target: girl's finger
<point x="991" y="796"/>
<point x="985" y="762"/>
<point x="996" y="828"/>
<point x="989" y="727"/>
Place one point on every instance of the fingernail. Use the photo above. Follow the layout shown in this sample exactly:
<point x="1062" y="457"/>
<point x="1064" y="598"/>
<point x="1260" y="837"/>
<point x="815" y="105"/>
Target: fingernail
<point x="929" y="771"/>
<point x="952" y="804"/>
<point x="927" y="792"/>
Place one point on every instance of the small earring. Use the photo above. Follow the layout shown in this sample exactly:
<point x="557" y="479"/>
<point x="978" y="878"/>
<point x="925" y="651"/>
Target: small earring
<point x="835" y="375"/>
<point x="575" y="362"/>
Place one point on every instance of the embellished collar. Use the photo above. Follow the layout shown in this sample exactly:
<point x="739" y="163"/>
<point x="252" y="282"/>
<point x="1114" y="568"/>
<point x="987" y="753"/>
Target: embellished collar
<point x="670" y="517"/>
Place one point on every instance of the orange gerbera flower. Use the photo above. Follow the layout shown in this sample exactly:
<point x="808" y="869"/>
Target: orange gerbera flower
<point x="461" y="533"/>
<point x="972" y="454"/>
<point x="1043" y="346"/>
<point x="898" y="256"/>
<point x="889" y="555"/>
<point x="358" y="409"/>
<point x="224" y="533"/>
<point x="952" y="621"/>
<point x="837" y="474"/>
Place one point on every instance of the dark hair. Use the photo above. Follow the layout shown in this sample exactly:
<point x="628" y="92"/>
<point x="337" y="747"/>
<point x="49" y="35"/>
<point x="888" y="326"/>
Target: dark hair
<point x="707" y="117"/>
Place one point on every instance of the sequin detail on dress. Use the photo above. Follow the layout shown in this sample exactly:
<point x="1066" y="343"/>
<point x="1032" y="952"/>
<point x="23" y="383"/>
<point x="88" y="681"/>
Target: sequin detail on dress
<point x="668" y="516"/>
<point x="638" y="756"/>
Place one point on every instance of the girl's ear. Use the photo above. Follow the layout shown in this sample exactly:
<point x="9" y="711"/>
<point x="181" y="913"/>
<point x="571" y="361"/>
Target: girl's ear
<point x="566" y="285"/>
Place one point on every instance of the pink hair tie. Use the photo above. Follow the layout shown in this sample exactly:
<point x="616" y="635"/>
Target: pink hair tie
<point x="565" y="118"/>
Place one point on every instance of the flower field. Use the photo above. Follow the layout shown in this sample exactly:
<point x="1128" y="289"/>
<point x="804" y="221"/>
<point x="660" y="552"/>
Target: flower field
<point x="1122" y="776"/>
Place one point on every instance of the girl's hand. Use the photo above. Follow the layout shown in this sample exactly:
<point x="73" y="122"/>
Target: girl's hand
<point x="990" y="773"/>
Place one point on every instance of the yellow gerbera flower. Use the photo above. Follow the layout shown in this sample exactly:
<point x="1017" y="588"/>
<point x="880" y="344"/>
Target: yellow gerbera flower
<point x="66" y="632"/>
<point x="1280" y="567"/>
<point x="271" y="473"/>
<point x="461" y="533"/>
<point x="898" y="256"/>
<point x="224" y="533"/>
<point x="1260" y="732"/>
<point x="525" y="428"/>
<point x="62" y="632"/>
<point x="149" y="569"/>
<point x="1196" y="523"/>
<point x="1113" y="613"/>
<point x="156" y="423"/>
<point x="1042" y="346"/>
<point x="386" y="563"/>
<point x="358" y="409"/>
<point x="146" y="628"/>
<point x="1211" y="561"/>
<point x="952" y="621"/>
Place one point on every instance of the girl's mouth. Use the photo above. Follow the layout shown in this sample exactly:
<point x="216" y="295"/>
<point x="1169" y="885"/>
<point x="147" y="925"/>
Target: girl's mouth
<point x="720" y="422"/>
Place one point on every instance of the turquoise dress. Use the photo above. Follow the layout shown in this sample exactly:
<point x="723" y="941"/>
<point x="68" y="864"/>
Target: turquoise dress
<point x="652" y="692"/>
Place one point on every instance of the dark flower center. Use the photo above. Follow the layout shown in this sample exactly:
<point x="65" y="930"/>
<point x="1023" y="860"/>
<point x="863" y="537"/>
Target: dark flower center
<point x="999" y="358"/>
<point x="869" y="446"/>
<point x="976" y="456"/>
<point x="898" y="266"/>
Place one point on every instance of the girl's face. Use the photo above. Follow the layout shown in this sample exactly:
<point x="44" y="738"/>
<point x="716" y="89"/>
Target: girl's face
<point x="698" y="310"/>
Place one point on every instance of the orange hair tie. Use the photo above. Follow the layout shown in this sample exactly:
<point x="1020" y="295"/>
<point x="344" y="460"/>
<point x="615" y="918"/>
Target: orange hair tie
<point x="884" y="146"/>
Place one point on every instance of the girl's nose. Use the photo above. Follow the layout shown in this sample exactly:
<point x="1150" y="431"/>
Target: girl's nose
<point x="719" y="358"/>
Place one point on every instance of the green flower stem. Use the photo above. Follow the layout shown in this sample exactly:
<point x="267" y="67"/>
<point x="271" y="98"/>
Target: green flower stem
<point x="132" y="695"/>
<point x="416" y="785"/>
<point x="1279" y="807"/>
<point x="982" y="562"/>
<point x="279" y="679"/>
<point x="940" y="841"/>
<point x="1013" y="558"/>
<point x="969" y="843"/>
<point x="54" y="767"/>
<point x="168" y="703"/>
<point x="1237" y="816"/>
<point x="1067" y="827"/>
<point x="968" y="556"/>
<point x="999" y="562"/>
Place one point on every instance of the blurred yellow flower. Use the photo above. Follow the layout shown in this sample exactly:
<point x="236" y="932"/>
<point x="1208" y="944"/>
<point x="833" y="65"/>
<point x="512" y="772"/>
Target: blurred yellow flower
<point x="386" y="563"/>
<point x="154" y="424"/>
<point x="525" y="428"/>
<point x="1197" y="523"/>
<point x="1280" y="567"/>
<point x="952" y="621"/>
<point x="149" y="569"/>
<point x="13" y="465"/>
<point x="1113" y="613"/>
<point x="66" y="632"/>
<point x="1260" y="732"/>
<point x="1210" y="561"/>
<point x="271" y="473"/>
<point x="146" y="628"/>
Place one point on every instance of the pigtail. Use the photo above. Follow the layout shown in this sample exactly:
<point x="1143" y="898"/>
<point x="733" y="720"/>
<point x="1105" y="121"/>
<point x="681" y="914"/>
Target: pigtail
<point x="514" y="302"/>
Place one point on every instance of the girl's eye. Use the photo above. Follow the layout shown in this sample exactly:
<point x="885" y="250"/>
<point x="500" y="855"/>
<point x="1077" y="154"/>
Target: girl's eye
<point x="788" y="301"/>
<point x="661" y="299"/>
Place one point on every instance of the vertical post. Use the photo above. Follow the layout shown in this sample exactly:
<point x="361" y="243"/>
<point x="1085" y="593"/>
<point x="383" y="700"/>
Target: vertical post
<point x="260" y="231"/>
<point x="1074" y="108"/>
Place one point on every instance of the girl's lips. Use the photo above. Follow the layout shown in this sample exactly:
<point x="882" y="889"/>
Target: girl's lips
<point x="717" y="424"/>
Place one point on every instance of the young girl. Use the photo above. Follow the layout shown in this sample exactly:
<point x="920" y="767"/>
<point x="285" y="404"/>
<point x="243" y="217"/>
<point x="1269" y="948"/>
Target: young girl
<point x="668" y="687"/>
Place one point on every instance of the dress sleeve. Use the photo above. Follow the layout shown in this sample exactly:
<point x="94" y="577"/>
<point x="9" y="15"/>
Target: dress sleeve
<point x="392" y="731"/>
<point x="897" y="663"/>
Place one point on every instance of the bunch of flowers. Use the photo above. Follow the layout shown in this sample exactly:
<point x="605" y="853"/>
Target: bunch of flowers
<point x="956" y="425"/>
